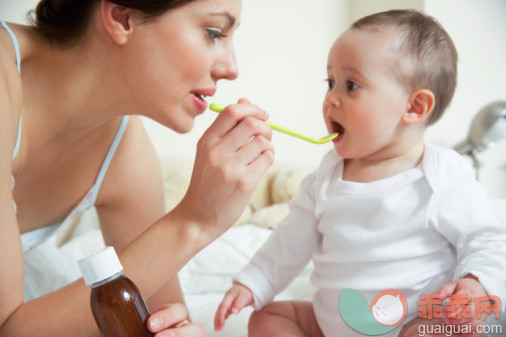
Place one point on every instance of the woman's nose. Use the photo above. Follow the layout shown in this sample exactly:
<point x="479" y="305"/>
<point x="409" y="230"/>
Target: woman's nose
<point x="226" y="67"/>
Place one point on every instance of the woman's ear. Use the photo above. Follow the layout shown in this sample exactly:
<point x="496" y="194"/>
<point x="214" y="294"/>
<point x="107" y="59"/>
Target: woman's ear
<point x="117" y="21"/>
<point x="420" y="105"/>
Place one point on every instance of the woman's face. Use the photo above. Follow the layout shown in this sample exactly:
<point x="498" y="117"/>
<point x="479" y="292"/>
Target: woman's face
<point x="177" y="59"/>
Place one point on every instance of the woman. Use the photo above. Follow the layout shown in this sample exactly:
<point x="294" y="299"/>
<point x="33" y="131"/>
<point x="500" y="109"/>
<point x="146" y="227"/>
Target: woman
<point x="64" y="95"/>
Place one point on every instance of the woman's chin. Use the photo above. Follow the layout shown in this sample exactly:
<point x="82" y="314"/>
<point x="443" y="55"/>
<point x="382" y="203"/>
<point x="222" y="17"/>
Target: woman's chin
<point x="183" y="128"/>
<point x="181" y="125"/>
<point x="178" y="122"/>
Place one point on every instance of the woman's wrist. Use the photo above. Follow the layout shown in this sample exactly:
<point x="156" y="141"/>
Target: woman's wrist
<point x="191" y="230"/>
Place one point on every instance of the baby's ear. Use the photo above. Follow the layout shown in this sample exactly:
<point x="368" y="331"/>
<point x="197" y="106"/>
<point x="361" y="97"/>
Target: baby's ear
<point x="420" y="105"/>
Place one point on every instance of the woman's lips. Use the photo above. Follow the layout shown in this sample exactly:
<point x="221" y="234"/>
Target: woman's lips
<point x="199" y="95"/>
<point x="200" y="103"/>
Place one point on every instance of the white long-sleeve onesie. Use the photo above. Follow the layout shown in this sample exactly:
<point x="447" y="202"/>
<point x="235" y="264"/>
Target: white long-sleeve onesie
<point x="414" y="232"/>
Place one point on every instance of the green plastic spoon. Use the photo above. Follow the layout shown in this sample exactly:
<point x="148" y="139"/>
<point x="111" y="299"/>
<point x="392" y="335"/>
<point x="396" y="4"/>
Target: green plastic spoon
<point x="218" y="108"/>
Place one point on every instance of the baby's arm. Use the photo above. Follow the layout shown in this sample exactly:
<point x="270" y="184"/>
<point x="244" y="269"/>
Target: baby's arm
<point x="286" y="252"/>
<point x="238" y="297"/>
<point x="468" y="286"/>
<point x="463" y="215"/>
<point x="471" y="288"/>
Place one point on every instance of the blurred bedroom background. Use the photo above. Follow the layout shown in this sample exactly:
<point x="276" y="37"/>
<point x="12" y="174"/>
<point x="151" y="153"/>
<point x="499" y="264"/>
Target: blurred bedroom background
<point x="282" y="48"/>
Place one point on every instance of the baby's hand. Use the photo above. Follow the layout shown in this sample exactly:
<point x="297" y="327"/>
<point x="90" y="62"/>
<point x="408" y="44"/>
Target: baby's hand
<point x="471" y="287"/>
<point x="235" y="299"/>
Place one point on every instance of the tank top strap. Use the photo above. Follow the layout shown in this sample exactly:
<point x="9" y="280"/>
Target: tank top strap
<point x="18" y="64"/>
<point x="18" y="141"/>
<point x="15" y="42"/>
<point x="37" y="236"/>
<point x="108" y="158"/>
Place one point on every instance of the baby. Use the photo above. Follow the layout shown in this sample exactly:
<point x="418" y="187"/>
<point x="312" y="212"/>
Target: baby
<point x="385" y="210"/>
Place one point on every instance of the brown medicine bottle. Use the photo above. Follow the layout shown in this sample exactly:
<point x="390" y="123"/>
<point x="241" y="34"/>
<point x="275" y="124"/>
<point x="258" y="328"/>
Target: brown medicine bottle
<point x="117" y="304"/>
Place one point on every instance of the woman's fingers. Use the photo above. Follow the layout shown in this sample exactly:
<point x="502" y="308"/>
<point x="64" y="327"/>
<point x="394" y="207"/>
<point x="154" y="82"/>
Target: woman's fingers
<point x="244" y="131"/>
<point x="171" y="322"/>
<point x="227" y="168"/>
<point x="170" y="316"/>
<point x="183" y="323"/>
<point x="253" y="149"/>
<point x="232" y="115"/>
<point x="188" y="330"/>
<point x="259" y="165"/>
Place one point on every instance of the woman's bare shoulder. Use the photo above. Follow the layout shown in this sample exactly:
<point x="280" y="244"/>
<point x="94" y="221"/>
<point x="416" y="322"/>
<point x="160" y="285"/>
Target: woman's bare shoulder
<point x="135" y="166"/>
<point x="10" y="80"/>
<point x="11" y="97"/>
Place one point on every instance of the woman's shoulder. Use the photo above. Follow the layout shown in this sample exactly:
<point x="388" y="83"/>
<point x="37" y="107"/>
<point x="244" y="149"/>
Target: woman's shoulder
<point x="8" y="62"/>
<point x="11" y="97"/>
<point x="135" y="165"/>
<point x="135" y="153"/>
<point x="10" y="79"/>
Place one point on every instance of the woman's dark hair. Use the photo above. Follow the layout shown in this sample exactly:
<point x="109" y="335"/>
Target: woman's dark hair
<point x="427" y="58"/>
<point x="65" y="22"/>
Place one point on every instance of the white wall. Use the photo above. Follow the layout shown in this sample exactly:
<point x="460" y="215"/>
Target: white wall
<point x="478" y="29"/>
<point x="15" y="10"/>
<point x="361" y="8"/>
<point x="282" y="48"/>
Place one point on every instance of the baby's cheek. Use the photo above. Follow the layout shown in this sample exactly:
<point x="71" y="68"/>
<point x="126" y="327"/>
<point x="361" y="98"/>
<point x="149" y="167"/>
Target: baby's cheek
<point x="366" y="121"/>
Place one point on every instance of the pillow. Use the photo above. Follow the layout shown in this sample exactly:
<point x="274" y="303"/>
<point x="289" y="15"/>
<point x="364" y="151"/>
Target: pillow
<point x="286" y="182"/>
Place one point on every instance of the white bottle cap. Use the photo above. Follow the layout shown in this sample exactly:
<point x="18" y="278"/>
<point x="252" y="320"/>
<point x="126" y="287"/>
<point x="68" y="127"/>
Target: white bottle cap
<point x="100" y="265"/>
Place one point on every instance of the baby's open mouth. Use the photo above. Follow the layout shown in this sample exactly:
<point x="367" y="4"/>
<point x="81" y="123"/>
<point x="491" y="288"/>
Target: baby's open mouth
<point x="336" y="127"/>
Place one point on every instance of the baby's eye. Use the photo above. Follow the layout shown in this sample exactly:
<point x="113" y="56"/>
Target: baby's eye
<point x="215" y="33"/>
<point x="350" y="86"/>
<point x="330" y="83"/>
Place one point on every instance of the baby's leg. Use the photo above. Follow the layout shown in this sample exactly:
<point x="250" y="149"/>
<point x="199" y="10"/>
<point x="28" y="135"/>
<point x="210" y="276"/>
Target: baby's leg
<point x="285" y="318"/>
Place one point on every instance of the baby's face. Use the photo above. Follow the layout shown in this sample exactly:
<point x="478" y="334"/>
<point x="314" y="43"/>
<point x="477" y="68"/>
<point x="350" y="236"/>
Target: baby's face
<point x="364" y="101"/>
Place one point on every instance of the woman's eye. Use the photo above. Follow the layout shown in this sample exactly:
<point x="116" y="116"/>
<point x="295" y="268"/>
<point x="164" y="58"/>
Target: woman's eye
<point x="330" y="83"/>
<point x="350" y="86"/>
<point x="215" y="34"/>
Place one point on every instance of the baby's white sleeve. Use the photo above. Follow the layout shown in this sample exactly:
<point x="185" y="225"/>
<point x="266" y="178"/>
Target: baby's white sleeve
<point x="463" y="214"/>
<point x="287" y="251"/>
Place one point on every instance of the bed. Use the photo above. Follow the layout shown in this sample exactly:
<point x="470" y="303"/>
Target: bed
<point x="207" y="276"/>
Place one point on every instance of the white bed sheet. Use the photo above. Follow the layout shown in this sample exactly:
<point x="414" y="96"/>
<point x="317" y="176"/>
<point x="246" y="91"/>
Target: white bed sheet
<point x="205" y="278"/>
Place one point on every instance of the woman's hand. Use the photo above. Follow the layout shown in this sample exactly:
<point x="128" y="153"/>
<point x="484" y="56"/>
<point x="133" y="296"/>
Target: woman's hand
<point x="172" y="321"/>
<point x="231" y="157"/>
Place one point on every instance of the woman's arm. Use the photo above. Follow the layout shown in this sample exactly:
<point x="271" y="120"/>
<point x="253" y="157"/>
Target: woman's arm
<point x="228" y="167"/>
<point x="11" y="258"/>
<point x="131" y="198"/>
